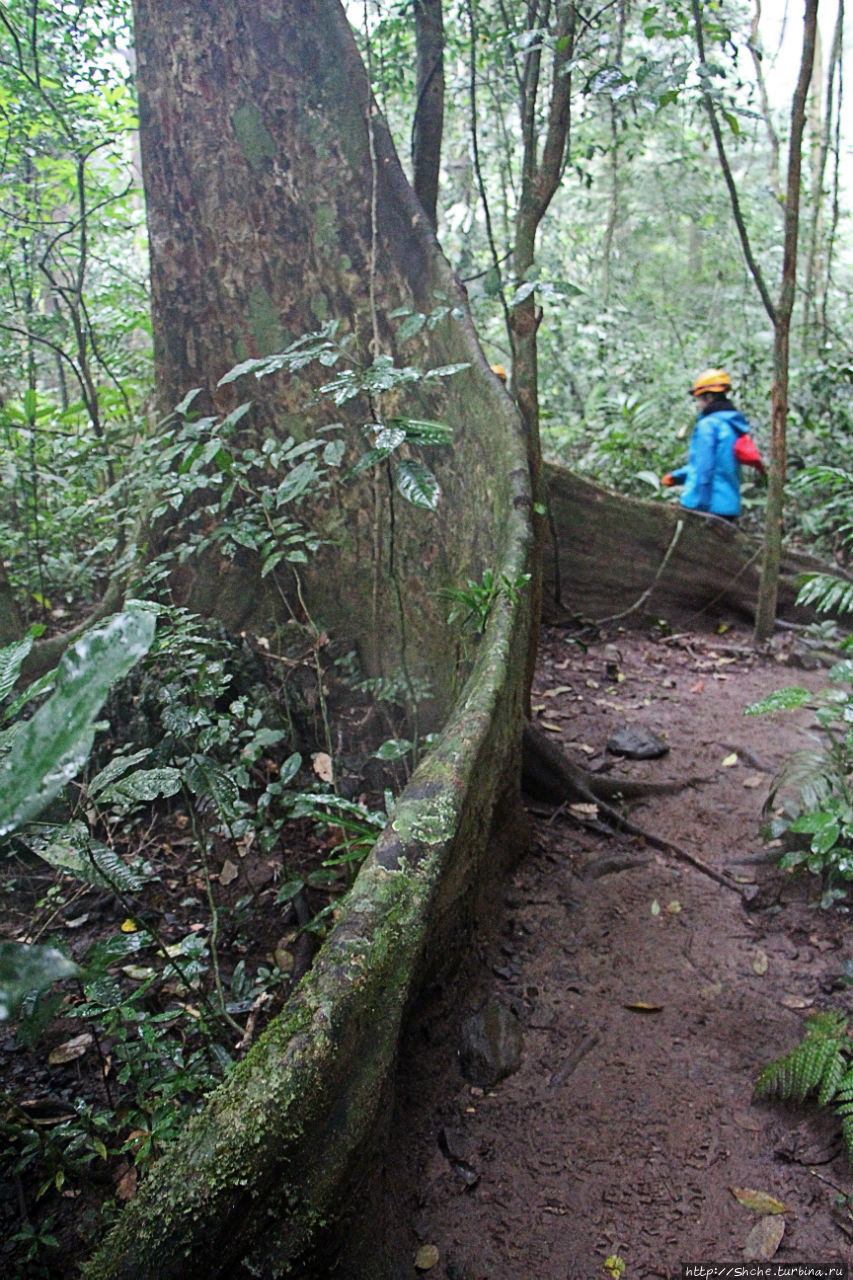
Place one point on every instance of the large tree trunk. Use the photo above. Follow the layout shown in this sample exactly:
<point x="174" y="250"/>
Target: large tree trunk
<point x="276" y="201"/>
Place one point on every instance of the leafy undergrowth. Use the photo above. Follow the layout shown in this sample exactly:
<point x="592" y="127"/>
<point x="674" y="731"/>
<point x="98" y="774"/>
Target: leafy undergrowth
<point x="190" y="872"/>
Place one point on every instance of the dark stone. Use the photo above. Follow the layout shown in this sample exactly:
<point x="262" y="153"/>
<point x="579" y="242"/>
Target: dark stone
<point x="491" y="1045"/>
<point x="637" y="742"/>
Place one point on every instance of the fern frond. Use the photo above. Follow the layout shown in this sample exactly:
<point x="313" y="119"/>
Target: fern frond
<point x="827" y="593"/>
<point x="818" y="1064"/>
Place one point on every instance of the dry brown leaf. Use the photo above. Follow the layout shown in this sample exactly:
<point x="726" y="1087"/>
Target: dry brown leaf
<point x="126" y="1186"/>
<point x="698" y="686"/>
<point x="796" y="1002"/>
<point x="754" y="780"/>
<point x="229" y="872"/>
<point x="758" y="1201"/>
<point x="426" y="1257"/>
<point x="764" y="1239"/>
<point x="323" y="766"/>
<point x="71" y="1050"/>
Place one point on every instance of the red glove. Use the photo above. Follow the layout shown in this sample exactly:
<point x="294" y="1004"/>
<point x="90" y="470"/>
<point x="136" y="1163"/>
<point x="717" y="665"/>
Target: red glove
<point x="667" y="481"/>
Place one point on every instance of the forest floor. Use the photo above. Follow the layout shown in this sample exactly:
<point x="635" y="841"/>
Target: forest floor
<point x="649" y="996"/>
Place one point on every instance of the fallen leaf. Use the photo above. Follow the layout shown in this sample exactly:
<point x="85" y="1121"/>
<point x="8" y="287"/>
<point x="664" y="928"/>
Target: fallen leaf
<point x="643" y="1006"/>
<point x="758" y="1201"/>
<point x="754" y="780"/>
<point x="655" y="908"/>
<point x="552" y="728"/>
<point x="128" y="927"/>
<point x="585" y="748"/>
<point x="126" y="1186"/>
<point x="323" y="766"/>
<point x="71" y="1050"/>
<point x="729" y="761"/>
<point x="796" y="1002"/>
<point x="555" y="693"/>
<point x="764" y="1239"/>
<point x="760" y="962"/>
<point x="698" y="686"/>
<point x="426" y="1257"/>
<point x="673" y="907"/>
<point x="585" y="810"/>
<point x="283" y="959"/>
<point x="139" y="972"/>
<point x="229" y="872"/>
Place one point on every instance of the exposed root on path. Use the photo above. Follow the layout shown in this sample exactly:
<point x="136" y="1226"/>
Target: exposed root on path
<point x="548" y="775"/>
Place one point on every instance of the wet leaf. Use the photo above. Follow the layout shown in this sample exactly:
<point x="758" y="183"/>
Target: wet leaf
<point x="322" y="762"/>
<point x="426" y="1257"/>
<point x="71" y="1050"/>
<point x="764" y="1239"/>
<point x="139" y="973"/>
<point x="758" y="1201"/>
<point x="229" y="872"/>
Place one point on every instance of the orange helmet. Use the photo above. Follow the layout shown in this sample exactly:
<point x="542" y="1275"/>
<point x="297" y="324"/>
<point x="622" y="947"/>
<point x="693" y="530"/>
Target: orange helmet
<point x="711" y="380"/>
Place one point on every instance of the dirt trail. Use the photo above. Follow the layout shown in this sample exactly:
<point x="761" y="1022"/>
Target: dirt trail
<point x="649" y="995"/>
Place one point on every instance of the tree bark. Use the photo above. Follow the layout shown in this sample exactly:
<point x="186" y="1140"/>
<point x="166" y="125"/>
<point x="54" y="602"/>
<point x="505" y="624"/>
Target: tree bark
<point x="428" y="126"/>
<point x="765" y="612"/>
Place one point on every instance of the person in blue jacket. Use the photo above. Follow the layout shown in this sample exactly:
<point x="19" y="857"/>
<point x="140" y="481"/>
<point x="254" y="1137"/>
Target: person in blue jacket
<point x="711" y="478"/>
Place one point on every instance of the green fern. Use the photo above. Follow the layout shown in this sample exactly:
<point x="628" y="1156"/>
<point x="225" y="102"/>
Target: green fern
<point x="817" y="1065"/>
<point x="843" y="1102"/>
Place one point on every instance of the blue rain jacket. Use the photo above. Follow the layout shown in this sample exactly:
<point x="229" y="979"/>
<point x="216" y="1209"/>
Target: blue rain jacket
<point x="711" y="478"/>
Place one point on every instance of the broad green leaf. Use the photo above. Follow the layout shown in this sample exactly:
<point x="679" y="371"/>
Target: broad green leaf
<point x="206" y="778"/>
<point x="54" y="744"/>
<point x="297" y="481"/>
<point x="184" y="406"/>
<point x="114" y="769"/>
<point x="143" y="785"/>
<point x="11" y="661"/>
<point x="333" y="453"/>
<point x="410" y="326"/>
<point x="423" y="430"/>
<point x="71" y="849"/>
<point x="393" y="749"/>
<point x="417" y="484"/>
<point x="24" y="969"/>
<point x="780" y="700"/>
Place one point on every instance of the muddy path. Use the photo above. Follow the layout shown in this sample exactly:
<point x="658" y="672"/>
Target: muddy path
<point x="648" y="997"/>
